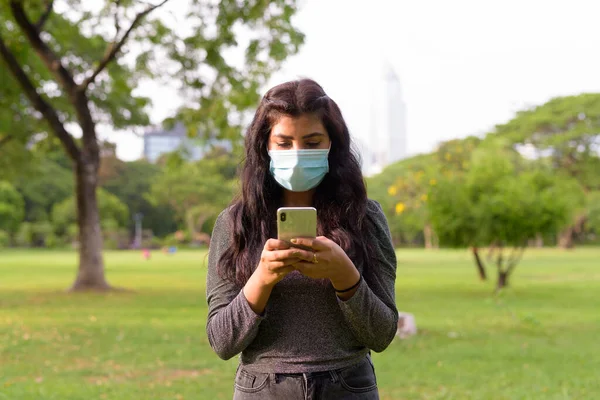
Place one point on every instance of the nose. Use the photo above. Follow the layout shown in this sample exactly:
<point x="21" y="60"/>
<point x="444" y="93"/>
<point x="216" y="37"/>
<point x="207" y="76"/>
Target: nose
<point x="299" y="145"/>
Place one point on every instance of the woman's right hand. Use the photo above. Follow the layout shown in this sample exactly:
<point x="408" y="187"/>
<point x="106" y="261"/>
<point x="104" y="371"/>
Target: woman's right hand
<point x="278" y="259"/>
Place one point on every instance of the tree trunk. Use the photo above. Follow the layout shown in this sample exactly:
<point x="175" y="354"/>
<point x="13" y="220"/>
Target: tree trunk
<point x="195" y="225"/>
<point x="90" y="275"/>
<point x="539" y="241"/>
<point x="502" y="280"/>
<point x="566" y="237"/>
<point x="200" y="222"/>
<point x="479" y="264"/>
<point x="428" y="235"/>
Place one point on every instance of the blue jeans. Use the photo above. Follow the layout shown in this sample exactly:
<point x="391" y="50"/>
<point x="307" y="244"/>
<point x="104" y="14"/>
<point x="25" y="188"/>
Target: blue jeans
<point x="355" y="382"/>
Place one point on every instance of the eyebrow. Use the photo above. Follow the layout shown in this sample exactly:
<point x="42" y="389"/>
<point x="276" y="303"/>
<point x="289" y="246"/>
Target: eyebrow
<point x="310" y="135"/>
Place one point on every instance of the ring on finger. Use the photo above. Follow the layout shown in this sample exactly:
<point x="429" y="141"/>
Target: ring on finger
<point x="314" y="260"/>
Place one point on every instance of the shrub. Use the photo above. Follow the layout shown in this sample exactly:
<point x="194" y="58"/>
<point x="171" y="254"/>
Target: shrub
<point x="4" y="239"/>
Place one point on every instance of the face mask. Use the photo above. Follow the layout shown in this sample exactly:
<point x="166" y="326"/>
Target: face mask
<point x="299" y="170"/>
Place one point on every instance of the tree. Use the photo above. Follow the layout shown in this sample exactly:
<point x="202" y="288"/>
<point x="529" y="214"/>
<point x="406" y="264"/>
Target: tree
<point x="403" y="188"/>
<point x="197" y="191"/>
<point x="454" y="156"/>
<point x="46" y="184"/>
<point x="566" y="131"/>
<point x="12" y="208"/>
<point x="132" y="185"/>
<point x="112" y="211"/>
<point x="69" y="69"/>
<point x="504" y="201"/>
<point x="409" y="193"/>
<point x="593" y="208"/>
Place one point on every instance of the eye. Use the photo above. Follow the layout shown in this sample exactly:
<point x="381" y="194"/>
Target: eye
<point x="284" y="145"/>
<point x="313" y="144"/>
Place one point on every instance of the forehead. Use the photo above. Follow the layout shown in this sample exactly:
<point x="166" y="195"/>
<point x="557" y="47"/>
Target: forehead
<point x="298" y="126"/>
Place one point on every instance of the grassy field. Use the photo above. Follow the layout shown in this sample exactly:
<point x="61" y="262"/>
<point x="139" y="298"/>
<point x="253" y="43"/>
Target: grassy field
<point x="540" y="339"/>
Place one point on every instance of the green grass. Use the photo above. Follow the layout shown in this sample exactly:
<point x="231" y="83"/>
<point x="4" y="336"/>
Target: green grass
<point x="540" y="339"/>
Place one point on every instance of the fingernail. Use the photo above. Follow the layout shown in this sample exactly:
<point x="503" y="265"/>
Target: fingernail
<point x="294" y="241"/>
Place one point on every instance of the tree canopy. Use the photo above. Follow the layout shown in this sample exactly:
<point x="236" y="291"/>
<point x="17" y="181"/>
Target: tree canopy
<point x="12" y="207"/>
<point x="72" y="66"/>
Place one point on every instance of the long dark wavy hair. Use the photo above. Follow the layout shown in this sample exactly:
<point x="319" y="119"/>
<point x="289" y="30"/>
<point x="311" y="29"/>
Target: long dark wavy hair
<point x="340" y="199"/>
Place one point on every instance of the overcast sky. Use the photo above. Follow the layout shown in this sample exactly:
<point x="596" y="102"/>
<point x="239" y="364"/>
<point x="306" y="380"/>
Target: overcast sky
<point x="465" y="65"/>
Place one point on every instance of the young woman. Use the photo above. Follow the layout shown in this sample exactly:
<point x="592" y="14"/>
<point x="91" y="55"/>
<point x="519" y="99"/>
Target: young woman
<point x="304" y="321"/>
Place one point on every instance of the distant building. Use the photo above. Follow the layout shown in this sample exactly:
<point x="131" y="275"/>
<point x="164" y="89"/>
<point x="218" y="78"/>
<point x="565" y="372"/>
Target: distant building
<point x="387" y="136"/>
<point x="160" y="141"/>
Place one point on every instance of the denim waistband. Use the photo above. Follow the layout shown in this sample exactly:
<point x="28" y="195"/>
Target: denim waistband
<point x="307" y="374"/>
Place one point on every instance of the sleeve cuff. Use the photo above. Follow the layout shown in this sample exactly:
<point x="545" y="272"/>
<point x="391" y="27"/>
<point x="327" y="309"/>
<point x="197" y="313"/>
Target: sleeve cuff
<point x="356" y="298"/>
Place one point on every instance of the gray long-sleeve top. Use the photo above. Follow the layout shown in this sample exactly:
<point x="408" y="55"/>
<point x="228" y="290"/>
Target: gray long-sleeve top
<point x="305" y="326"/>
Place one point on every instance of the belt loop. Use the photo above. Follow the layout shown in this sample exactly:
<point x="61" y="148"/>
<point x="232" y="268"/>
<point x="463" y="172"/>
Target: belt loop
<point x="334" y="376"/>
<point x="273" y="378"/>
<point x="305" y="386"/>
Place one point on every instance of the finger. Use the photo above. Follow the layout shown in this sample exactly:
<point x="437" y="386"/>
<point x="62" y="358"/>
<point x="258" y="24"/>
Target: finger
<point x="290" y="261"/>
<point x="286" y="270"/>
<point x="276" y="266"/>
<point x="321" y="243"/>
<point x="308" y="242"/>
<point x="304" y="255"/>
<point x="276" y="244"/>
<point x="318" y="244"/>
<point x="279" y="255"/>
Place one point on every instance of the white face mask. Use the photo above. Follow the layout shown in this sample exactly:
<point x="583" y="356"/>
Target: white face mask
<point x="299" y="170"/>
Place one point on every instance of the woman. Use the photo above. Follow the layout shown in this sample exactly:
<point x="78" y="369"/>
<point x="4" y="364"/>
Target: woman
<point x="304" y="321"/>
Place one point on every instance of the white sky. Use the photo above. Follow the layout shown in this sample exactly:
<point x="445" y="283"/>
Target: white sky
<point x="465" y="65"/>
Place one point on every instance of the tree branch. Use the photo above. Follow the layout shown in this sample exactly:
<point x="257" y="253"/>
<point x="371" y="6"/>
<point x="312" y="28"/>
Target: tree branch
<point x="39" y="103"/>
<point x="47" y="56"/>
<point x="40" y="24"/>
<point x="515" y="258"/>
<point x="115" y="46"/>
<point x="499" y="259"/>
<point x="117" y="24"/>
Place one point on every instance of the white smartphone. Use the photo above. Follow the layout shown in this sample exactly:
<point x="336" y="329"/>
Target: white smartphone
<point x="296" y="222"/>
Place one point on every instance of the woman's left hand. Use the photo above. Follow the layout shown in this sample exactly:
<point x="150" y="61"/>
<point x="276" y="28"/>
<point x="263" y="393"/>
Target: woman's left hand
<point x="330" y="261"/>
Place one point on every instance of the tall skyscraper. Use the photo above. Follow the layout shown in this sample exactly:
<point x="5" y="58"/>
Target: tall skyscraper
<point x="387" y="137"/>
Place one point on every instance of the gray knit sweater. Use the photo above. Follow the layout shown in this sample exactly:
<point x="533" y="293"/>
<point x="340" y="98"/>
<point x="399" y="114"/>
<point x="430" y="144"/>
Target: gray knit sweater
<point x="305" y="326"/>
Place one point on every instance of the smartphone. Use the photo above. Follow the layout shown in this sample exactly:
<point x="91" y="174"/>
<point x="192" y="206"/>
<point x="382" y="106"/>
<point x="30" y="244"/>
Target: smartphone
<point x="296" y="222"/>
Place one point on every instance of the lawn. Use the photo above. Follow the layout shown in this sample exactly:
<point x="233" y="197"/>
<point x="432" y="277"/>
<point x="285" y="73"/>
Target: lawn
<point x="539" y="339"/>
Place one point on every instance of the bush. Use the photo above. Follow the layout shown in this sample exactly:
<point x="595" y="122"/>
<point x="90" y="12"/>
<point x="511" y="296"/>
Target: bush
<point x="52" y="240"/>
<point x="73" y="232"/>
<point x="111" y="244"/>
<point x="41" y="232"/>
<point x="24" y="236"/>
<point x="170" y="240"/>
<point x="152" y="243"/>
<point x="116" y="239"/>
<point x="4" y="239"/>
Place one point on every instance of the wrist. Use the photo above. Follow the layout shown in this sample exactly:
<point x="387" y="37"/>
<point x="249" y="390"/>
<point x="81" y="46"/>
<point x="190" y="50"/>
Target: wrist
<point x="261" y="280"/>
<point x="347" y="277"/>
<point x="257" y="293"/>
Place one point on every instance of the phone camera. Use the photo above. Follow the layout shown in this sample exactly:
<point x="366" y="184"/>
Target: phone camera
<point x="282" y="217"/>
